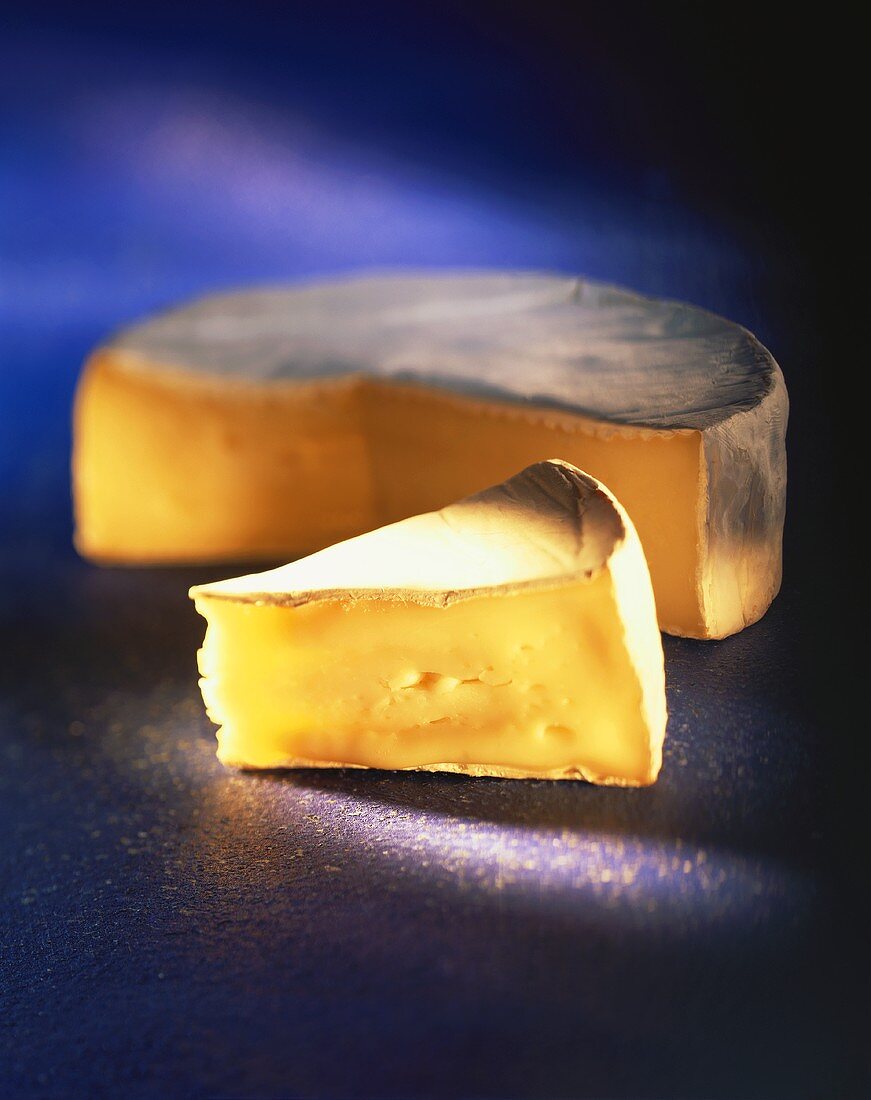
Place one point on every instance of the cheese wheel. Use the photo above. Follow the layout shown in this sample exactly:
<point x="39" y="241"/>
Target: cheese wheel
<point x="268" y="423"/>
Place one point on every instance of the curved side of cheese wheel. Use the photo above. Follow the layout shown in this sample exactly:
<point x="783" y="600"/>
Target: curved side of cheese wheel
<point x="745" y="466"/>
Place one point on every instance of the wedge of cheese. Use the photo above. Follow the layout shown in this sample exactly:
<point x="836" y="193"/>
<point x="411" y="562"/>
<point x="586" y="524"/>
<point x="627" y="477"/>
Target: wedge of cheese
<point x="270" y="423"/>
<point x="512" y="634"/>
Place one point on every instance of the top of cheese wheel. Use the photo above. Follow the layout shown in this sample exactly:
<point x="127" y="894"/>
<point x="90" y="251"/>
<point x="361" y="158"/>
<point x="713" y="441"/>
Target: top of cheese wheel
<point x="549" y="339"/>
<point x="546" y="525"/>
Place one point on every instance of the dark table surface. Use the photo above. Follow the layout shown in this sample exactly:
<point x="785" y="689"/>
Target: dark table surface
<point x="169" y="927"/>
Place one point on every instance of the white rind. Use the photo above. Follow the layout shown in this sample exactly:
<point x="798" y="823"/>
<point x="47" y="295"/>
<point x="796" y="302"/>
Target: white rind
<point x="547" y="524"/>
<point x="545" y="339"/>
<point x="472" y="771"/>
<point x="745" y="464"/>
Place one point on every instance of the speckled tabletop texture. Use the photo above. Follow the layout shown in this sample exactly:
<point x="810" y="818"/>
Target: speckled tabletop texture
<point x="178" y="925"/>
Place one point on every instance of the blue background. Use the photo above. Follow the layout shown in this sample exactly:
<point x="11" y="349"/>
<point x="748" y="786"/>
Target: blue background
<point x="171" y="928"/>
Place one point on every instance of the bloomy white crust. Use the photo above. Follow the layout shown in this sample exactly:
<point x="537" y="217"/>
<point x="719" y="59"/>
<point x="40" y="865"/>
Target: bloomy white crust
<point x="549" y="339"/>
<point x="482" y="771"/>
<point x="745" y="465"/>
<point x="546" y="525"/>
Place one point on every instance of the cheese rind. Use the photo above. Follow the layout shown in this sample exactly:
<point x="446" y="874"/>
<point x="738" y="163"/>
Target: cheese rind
<point x="272" y="422"/>
<point x="511" y="634"/>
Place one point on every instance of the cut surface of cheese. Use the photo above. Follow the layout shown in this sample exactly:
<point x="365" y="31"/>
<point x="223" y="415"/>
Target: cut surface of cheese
<point x="512" y="634"/>
<point x="270" y="423"/>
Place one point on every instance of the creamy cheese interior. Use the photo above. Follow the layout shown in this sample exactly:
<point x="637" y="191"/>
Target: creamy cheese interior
<point x="286" y="469"/>
<point x="534" y="683"/>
